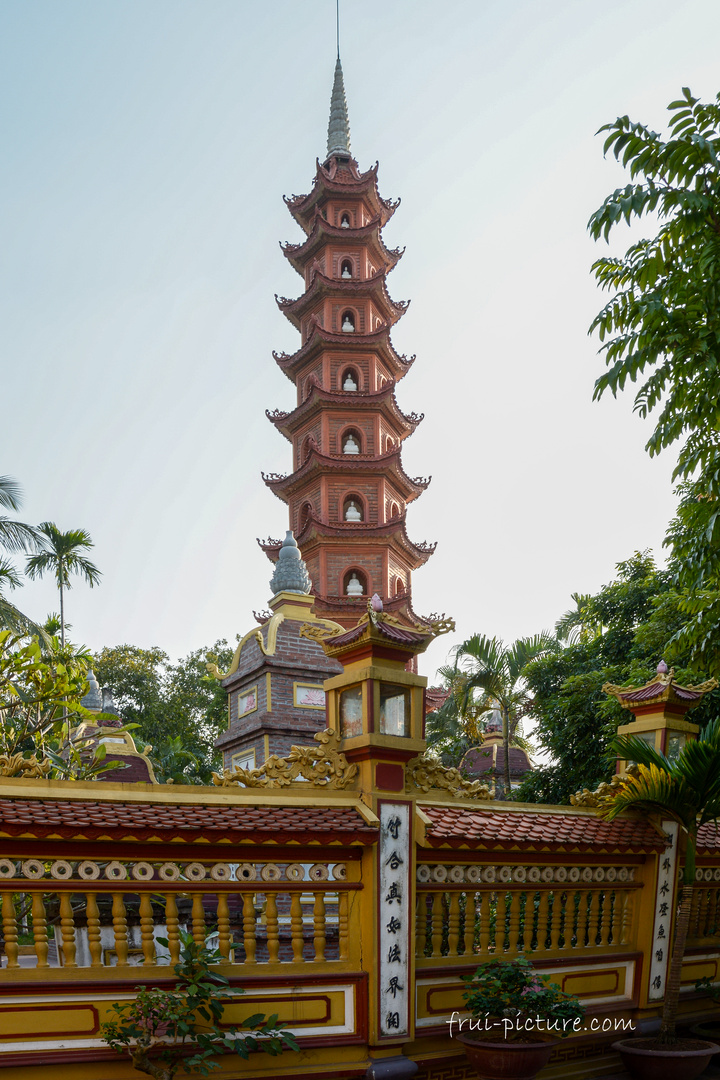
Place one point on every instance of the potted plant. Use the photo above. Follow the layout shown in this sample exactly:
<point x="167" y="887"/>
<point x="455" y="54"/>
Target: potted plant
<point x="688" y="790"/>
<point x="515" y="1017"/>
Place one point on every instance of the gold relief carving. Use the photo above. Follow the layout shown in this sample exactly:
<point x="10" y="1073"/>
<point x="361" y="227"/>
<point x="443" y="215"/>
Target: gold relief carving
<point x="605" y="792"/>
<point x="425" y="773"/>
<point x="29" y="768"/>
<point x="322" y="766"/>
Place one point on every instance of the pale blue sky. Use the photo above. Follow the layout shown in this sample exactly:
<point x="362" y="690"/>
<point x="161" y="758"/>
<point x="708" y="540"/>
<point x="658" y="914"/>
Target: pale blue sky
<point x="146" y="147"/>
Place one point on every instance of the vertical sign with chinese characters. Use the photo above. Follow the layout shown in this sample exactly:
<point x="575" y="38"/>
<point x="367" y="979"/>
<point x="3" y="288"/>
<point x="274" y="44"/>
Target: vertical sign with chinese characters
<point x="394" y="915"/>
<point x="664" y="906"/>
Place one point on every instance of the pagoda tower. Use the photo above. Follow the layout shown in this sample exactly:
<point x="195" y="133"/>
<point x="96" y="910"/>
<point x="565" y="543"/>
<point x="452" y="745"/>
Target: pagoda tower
<point x="348" y="493"/>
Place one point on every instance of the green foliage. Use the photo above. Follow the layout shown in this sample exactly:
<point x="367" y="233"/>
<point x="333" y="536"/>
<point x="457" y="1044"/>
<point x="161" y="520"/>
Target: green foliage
<point x="661" y="329"/>
<point x="162" y="1030"/>
<point x="662" y="324"/>
<point x="14" y="536"/>
<point x="40" y="706"/>
<point x="512" y="990"/>
<point x="180" y="710"/>
<point x="639" y="612"/>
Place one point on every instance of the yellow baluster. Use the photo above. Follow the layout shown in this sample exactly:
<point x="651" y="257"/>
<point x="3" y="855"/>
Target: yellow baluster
<point x="625" y="915"/>
<point x="146" y="929"/>
<point x="594" y="918"/>
<point x="343" y="924"/>
<point x="528" y="921"/>
<point x="319" y="926"/>
<point x="468" y="939"/>
<point x="454" y="924"/>
<point x="93" y="930"/>
<point x="296" y="927"/>
<point x="68" y="930"/>
<point x="171" y="922"/>
<point x="487" y="901"/>
<point x="120" y="929"/>
<point x="249" y="928"/>
<point x="10" y="930"/>
<point x="514" y="939"/>
<point x="271" y="921"/>
<point x="437" y="924"/>
<point x="198" y="919"/>
<point x="223" y="916"/>
<point x="559" y="901"/>
<point x="543" y="919"/>
<point x="501" y="925"/>
<point x="420" y="924"/>
<point x="40" y="935"/>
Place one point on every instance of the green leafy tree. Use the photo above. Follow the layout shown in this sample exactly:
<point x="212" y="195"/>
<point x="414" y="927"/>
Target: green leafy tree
<point x="179" y="708"/>
<point x="62" y="555"/>
<point x="40" y="707"/>
<point x="164" y="1030"/>
<point x="688" y="790"/>
<point x="660" y="330"/>
<point x="639" y="612"/>
<point x="487" y="675"/>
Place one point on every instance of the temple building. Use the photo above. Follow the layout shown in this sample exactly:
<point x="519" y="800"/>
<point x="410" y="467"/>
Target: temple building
<point x="348" y="493"/>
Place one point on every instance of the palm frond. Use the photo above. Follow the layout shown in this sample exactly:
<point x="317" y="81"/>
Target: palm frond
<point x="10" y="493"/>
<point x="652" y="790"/>
<point x="17" y="536"/>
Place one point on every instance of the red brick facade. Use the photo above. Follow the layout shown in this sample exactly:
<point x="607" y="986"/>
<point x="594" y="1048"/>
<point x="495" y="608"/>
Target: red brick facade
<point x="345" y="373"/>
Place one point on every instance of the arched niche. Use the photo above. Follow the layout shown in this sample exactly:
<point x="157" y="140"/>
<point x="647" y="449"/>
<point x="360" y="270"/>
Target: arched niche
<point x="348" y="322"/>
<point x="394" y="510"/>
<point x="353" y="508"/>
<point x="354" y="582"/>
<point x="345" y="220"/>
<point x="351" y="442"/>
<point x="350" y="380"/>
<point x="304" y="516"/>
<point x="346" y="269"/>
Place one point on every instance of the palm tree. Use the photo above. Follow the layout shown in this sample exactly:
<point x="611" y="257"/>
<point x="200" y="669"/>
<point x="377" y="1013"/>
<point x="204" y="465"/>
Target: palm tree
<point x="495" y="669"/>
<point x="14" y="536"/>
<point x="62" y="556"/>
<point x="688" y="790"/>
<point x="581" y="623"/>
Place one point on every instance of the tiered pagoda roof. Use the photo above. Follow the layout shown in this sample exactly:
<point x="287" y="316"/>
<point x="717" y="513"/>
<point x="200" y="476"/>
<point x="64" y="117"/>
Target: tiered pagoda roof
<point x="322" y="286"/>
<point x="367" y="236"/>
<point x="389" y="464"/>
<point x="319" y="398"/>
<point x="319" y="339"/>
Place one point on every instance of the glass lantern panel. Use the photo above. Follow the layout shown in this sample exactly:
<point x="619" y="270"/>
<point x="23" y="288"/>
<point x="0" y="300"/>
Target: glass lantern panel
<point x="675" y="745"/>
<point x="351" y="713"/>
<point x="394" y="710"/>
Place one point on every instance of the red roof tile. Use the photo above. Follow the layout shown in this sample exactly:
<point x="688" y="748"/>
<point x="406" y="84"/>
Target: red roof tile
<point x="90" y="820"/>
<point x="457" y="825"/>
<point x="709" y="836"/>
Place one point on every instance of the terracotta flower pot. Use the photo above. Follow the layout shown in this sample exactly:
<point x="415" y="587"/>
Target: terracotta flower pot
<point x="676" y="1063"/>
<point x="507" y="1060"/>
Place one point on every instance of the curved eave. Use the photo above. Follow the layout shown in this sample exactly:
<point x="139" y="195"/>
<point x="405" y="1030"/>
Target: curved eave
<point x="361" y="530"/>
<point x="378" y="340"/>
<point x="327" y="184"/>
<point x="288" y="423"/>
<point x="322" y="232"/>
<point x="389" y="464"/>
<point x="374" y="287"/>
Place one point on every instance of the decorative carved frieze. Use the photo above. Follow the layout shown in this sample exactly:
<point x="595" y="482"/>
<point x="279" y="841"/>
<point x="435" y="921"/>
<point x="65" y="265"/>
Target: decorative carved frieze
<point x="321" y="766"/>
<point x="426" y="773"/>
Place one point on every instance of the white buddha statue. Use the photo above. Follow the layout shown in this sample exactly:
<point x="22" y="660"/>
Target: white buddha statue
<point x="354" y="587"/>
<point x="352" y="513"/>
<point x="351" y="445"/>
<point x="346" y="271"/>
<point x="347" y="324"/>
<point x="350" y="383"/>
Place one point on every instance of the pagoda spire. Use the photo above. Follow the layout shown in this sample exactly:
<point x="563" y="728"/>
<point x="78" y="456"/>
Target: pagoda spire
<point x="339" y="125"/>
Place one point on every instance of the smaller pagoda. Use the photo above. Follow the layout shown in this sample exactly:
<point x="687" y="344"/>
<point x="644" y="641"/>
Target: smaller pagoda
<point x="659" y="709"/>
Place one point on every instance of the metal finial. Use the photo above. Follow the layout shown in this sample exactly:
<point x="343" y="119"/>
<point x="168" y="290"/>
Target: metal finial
<point x="337" y="25"/>
<point x="339" y="126"/>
